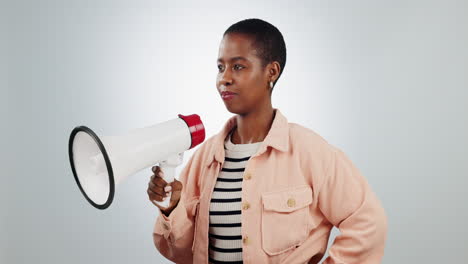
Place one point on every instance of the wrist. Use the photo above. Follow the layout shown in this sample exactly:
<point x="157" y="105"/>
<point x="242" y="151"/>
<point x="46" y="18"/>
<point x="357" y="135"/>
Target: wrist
<point x="165" y="212"/>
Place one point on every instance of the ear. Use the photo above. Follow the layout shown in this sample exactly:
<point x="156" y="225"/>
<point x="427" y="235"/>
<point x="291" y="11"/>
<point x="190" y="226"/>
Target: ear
<point x="273" y="70"/>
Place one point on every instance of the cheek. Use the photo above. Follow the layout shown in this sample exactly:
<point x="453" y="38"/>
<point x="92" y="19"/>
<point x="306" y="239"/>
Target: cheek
<point x="256" y="76"/>
<point x="256" y="83"/>
<point x="253" y="79"/>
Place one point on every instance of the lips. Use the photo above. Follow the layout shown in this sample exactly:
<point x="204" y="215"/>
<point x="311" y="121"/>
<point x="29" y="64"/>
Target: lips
<point x="227" y="95"/>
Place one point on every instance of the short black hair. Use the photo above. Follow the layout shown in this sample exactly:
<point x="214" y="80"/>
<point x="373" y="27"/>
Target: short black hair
<point x="267" y="40"/>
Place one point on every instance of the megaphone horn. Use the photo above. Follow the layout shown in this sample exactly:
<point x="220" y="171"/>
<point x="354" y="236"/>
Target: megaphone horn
<point x="99" y="164"/>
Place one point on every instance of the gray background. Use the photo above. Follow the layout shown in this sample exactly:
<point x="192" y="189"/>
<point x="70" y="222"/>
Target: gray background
<point x="385" y="81"/>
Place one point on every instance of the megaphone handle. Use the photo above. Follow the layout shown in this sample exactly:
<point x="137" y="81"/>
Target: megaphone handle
<point x="168" y="168"/>
<point x="168" y="172"/>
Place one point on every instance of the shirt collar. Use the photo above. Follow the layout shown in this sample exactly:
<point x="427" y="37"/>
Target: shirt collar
<point x="277" y="137"/>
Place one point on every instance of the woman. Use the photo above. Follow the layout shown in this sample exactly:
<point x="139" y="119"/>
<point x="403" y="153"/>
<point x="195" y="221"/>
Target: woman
<point x="264" y="190"/>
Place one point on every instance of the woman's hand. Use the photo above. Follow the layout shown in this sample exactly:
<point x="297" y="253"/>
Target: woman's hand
<point x="158" y="188"/>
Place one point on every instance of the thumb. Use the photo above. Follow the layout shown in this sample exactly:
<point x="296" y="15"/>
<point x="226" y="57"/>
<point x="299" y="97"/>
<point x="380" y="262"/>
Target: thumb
<point x="176" y="190"/>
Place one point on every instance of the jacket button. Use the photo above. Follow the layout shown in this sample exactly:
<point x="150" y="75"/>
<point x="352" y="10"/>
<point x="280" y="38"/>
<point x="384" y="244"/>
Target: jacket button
<point x="246" y="206"/>
<point x="166" y="226"/>
<point x="291" y="202"/>
<point x="248" y="176"/>
<point x="245" y="240"/>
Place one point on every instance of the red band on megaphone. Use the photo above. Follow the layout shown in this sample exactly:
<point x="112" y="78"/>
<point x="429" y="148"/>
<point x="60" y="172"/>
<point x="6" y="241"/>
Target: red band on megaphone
<point x="197" y="130"/>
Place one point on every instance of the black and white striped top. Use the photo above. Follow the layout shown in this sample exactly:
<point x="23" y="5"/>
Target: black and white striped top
<point x="225" y="239"/>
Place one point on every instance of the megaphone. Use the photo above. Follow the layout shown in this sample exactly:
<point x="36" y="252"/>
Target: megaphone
<point x="99" y="164"/>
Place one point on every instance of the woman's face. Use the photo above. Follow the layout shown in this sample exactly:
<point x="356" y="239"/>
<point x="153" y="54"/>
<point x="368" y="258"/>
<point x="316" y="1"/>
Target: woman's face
<point x="240" y="71"/>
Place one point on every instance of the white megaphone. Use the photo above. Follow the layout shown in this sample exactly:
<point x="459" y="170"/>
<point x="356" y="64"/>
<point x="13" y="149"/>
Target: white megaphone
<point x="98" y="164"/>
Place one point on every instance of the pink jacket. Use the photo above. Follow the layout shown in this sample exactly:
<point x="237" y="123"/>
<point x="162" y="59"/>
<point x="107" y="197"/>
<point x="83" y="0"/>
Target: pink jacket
<point x="298" y="187"/>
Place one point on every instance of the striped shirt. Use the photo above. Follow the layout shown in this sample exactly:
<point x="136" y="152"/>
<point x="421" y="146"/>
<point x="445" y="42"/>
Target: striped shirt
<point x="225" y="239"/>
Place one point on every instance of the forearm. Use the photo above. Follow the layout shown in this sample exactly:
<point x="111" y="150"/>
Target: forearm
<point x="349" y="203"/>
<point x="363" y="235"/>
<point x="173" y="233"/>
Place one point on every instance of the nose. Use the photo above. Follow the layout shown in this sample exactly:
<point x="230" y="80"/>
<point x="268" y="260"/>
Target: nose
<point x="225" y="78"/>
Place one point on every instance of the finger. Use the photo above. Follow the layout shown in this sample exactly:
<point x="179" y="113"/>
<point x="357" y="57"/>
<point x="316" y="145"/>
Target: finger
<point x="157" y="189"/>
<point x="156" y="192"/>
<point x="156" y="197"/>
<point x="155" y="169"/>
<point x="159" y="182"/>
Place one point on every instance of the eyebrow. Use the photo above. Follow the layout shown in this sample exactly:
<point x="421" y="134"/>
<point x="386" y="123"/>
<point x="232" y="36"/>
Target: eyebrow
<point x="234" y="59"/>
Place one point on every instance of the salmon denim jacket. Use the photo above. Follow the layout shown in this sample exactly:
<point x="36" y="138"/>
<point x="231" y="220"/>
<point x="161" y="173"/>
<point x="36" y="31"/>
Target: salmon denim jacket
<point x="298" y="187"/>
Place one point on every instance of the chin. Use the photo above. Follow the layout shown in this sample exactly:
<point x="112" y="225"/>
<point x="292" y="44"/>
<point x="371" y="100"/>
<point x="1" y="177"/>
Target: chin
<point x="235" y="109"/>
<point x="232" y="109"/>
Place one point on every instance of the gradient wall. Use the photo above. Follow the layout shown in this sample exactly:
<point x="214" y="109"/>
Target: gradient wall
<point x="385" y="81"/>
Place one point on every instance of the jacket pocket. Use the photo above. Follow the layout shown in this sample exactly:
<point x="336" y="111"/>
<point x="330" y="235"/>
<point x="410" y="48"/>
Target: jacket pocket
<point x="285" y="218"/>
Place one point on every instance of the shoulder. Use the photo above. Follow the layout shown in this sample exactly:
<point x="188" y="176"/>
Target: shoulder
<point x="301" y="135"/>
<point x="309" y="143"/>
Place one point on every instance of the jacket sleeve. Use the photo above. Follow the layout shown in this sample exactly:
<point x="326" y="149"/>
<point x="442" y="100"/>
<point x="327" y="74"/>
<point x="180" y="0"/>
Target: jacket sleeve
<point x="348" y="202"/>
<point x="173" y="234"/>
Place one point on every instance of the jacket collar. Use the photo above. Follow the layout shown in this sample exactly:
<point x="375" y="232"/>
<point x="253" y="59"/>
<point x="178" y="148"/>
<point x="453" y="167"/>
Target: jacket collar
<point x="277" y="137"/>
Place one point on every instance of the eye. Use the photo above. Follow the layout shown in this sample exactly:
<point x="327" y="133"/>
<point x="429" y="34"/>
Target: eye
<point x="238" y="67"/>
<point x="220" y="67"/>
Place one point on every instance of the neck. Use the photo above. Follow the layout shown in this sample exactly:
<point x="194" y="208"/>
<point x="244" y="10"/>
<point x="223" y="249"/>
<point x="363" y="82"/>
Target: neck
<point x="254" y="126"/>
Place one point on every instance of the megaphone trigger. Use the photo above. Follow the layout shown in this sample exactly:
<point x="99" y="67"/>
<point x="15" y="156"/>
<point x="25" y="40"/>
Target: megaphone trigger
<point x="168" y="169"/>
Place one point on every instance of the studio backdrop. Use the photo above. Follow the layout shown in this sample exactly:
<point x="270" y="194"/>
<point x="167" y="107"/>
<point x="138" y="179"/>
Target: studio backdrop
<point x="385" y="81"/>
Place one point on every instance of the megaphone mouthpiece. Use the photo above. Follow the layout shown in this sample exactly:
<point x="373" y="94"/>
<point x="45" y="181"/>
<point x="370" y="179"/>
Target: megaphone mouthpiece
<point x="197" y="130"/>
